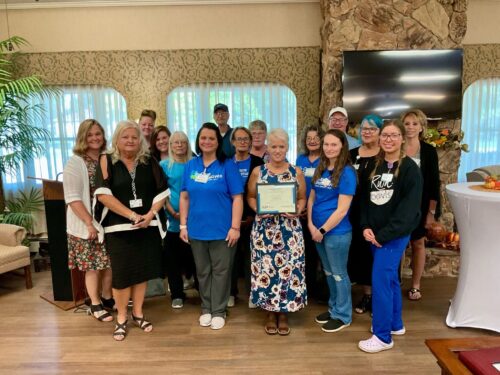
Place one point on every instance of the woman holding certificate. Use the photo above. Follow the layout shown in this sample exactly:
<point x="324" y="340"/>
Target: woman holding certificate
<point x="390" y="211"/>
<point x="211" y="206"/>
<point x="277" y="192"/>
<point x="333" y="186"/>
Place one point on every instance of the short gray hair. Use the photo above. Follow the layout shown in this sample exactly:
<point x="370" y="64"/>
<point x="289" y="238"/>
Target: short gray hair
<point x="279" y="134"/>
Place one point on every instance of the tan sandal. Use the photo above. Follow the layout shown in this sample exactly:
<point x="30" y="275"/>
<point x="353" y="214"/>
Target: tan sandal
<point x="283" y="327"/>
<point x="271" y="326"/>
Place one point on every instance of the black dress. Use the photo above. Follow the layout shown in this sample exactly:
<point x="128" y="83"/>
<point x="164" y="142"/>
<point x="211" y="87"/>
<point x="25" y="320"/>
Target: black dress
<point x="136" y="255"/>
<point x="360" y="262"/>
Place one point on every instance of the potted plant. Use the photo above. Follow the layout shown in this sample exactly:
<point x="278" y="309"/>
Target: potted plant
<point x="20" y="209"/>
<point x="20" y="139"/>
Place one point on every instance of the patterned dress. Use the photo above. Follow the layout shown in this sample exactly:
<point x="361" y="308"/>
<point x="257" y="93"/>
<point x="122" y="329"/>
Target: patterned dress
<point x="278" y="263"/>
<point x="83" y="254"/>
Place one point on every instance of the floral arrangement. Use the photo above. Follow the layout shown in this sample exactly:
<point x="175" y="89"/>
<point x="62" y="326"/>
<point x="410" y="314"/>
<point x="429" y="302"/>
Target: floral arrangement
<point x="444" y="138"/>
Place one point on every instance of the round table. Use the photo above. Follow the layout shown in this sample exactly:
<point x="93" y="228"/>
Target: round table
<point x="477" y="299"/>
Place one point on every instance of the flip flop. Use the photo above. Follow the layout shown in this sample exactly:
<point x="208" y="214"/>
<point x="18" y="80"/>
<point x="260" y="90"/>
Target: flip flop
<point x="414" y="294"/>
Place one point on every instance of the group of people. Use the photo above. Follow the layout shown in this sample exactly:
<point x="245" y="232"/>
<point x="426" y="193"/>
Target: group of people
<point x="356" y="217"/>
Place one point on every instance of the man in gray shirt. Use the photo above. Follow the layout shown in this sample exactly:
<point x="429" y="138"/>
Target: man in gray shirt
<point x="338" y="119"/>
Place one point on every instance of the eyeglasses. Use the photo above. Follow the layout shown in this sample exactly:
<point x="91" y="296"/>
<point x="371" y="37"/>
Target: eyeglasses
<point x="242" y="139"/>
<point x="312" y="139"/>
<point x="393" y="137"/>
<point x="335" y="119"/>
<point x="368" y="130"/>
<point x="179" y="143"/>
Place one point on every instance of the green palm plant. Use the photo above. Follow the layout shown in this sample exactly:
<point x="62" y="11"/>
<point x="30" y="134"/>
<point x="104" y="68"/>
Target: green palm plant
<point x="20" y="139"/>
<point x="19" y="210"/>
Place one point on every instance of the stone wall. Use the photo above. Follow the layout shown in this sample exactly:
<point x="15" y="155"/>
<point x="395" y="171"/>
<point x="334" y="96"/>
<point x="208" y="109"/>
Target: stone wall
<point x="383" y="24"/>
<point x="391" y="24"/>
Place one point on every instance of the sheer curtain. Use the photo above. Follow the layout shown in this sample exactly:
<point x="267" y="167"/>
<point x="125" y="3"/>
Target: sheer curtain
<point x="63" y="115"/>
<point x="481" y="126"/>
<point x="190" y="106"/>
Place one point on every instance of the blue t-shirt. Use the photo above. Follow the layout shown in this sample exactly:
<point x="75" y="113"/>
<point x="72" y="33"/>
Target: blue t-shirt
<point x="210" y="197"/>
<point x="308" y="169"/>
<point x="244" y="168"/>
<point x="327" y="198"/>
<point x="174" y="173"/>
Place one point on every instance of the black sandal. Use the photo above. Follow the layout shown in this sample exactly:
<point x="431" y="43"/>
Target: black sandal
<point x="142" y="323"/>
<point x="364" y="305"/>
<point x="98" y="312"/>
<point x="120" y="331"/>
<point x="108" y="303"/>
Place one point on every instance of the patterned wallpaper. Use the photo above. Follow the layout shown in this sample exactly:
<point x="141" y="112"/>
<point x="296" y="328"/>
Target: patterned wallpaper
<point x="480" y="61"/>
<point x="145" y="78"/>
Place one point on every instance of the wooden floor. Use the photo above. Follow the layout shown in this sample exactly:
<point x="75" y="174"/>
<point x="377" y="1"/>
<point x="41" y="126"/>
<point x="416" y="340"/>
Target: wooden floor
<point x="38" y="338"/>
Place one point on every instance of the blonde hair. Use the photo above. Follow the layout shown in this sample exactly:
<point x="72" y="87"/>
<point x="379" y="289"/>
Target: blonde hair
<point x="81" y="145"/>
<point x="143" y="154"/>
<point x="421" y="117"/>
<point x="181" y="136"/>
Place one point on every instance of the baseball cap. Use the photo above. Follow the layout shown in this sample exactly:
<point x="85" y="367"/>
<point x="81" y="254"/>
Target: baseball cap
<point x="338" y="109"/>
<point x="221" y="107"/>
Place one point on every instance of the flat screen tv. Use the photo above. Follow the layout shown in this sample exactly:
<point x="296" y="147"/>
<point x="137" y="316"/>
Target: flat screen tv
<point x="389" y="82"/>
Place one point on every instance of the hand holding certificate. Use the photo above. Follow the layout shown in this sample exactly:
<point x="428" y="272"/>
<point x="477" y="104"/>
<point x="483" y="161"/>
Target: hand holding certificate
<point x="277" y="198"/>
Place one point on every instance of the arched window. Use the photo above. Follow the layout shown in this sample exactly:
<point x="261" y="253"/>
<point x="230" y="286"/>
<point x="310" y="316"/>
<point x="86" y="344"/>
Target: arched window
<point x="63" y="115"/>
<point x="190" y="106"/>
<point x="481" y="125"/>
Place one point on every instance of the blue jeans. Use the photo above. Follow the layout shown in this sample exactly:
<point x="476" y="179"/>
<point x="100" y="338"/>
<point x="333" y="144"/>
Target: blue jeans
<point x="386" y="290"/>
<point x="333" y="252"/>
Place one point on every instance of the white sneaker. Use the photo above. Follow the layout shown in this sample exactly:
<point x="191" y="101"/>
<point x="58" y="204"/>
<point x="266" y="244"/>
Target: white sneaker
<point x="374" y="345"/>
<point x="231" y="301"/>
<point x="205" y="320"/>
<point x="218" y="322"/>
<point x="399" y="332"/>
<point x="177" y="303"/>
<point x="251" y="305"/>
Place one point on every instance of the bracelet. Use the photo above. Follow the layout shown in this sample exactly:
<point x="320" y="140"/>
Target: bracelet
<point x="133" y="217"/>
<point x="236" y="229"/>
<point x="154" y="212"/>
<point x="183" y="226"/>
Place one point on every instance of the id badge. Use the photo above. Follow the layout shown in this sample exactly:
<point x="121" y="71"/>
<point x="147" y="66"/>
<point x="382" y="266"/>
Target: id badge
<point x="135" y="203"/>
<point x="202" y="177"/>
<point x="309" y="172"/>
<point x="387" y="177"/>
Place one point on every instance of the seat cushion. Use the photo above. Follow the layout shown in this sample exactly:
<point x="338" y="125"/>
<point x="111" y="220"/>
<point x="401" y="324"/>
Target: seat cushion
<point x="13" y="257"/>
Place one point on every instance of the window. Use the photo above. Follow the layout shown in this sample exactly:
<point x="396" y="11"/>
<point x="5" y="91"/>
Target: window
<point x="481" y="126"/>
<point x="190" y="106"/>
<point x="63" y="115"/>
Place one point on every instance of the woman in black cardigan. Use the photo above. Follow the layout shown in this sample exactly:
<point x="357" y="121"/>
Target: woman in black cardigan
<point x="425" y="156"/>
<point x="241" y="139"/>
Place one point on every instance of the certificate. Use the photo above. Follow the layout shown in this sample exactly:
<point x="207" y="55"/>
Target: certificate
<point x="276" y="198"/>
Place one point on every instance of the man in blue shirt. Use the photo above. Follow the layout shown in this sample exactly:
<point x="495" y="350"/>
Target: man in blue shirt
<point x="221" y="116"/>
<point x="338" y="119"/>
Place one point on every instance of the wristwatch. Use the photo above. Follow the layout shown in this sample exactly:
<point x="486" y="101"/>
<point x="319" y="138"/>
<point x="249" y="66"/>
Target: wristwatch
<point x="322" y="230"/>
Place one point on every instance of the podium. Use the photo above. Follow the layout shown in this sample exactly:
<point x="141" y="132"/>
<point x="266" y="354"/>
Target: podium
<point x="68" y="286"/>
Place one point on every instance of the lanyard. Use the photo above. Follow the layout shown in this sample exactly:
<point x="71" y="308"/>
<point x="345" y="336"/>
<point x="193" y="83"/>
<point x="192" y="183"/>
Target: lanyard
<point x="132" y="176"/>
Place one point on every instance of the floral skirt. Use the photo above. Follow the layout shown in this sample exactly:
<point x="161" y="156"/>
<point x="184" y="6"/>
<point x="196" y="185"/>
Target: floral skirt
<point x="278" y="264"/>
<point x="87" y="255"/>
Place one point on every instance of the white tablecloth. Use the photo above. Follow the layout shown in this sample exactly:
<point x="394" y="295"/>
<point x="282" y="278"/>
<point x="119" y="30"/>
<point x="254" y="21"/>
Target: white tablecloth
<point x="477" y="299"/>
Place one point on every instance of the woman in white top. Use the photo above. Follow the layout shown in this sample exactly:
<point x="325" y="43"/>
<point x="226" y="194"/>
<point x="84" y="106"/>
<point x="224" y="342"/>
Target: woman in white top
<point x="84" y="250"/>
